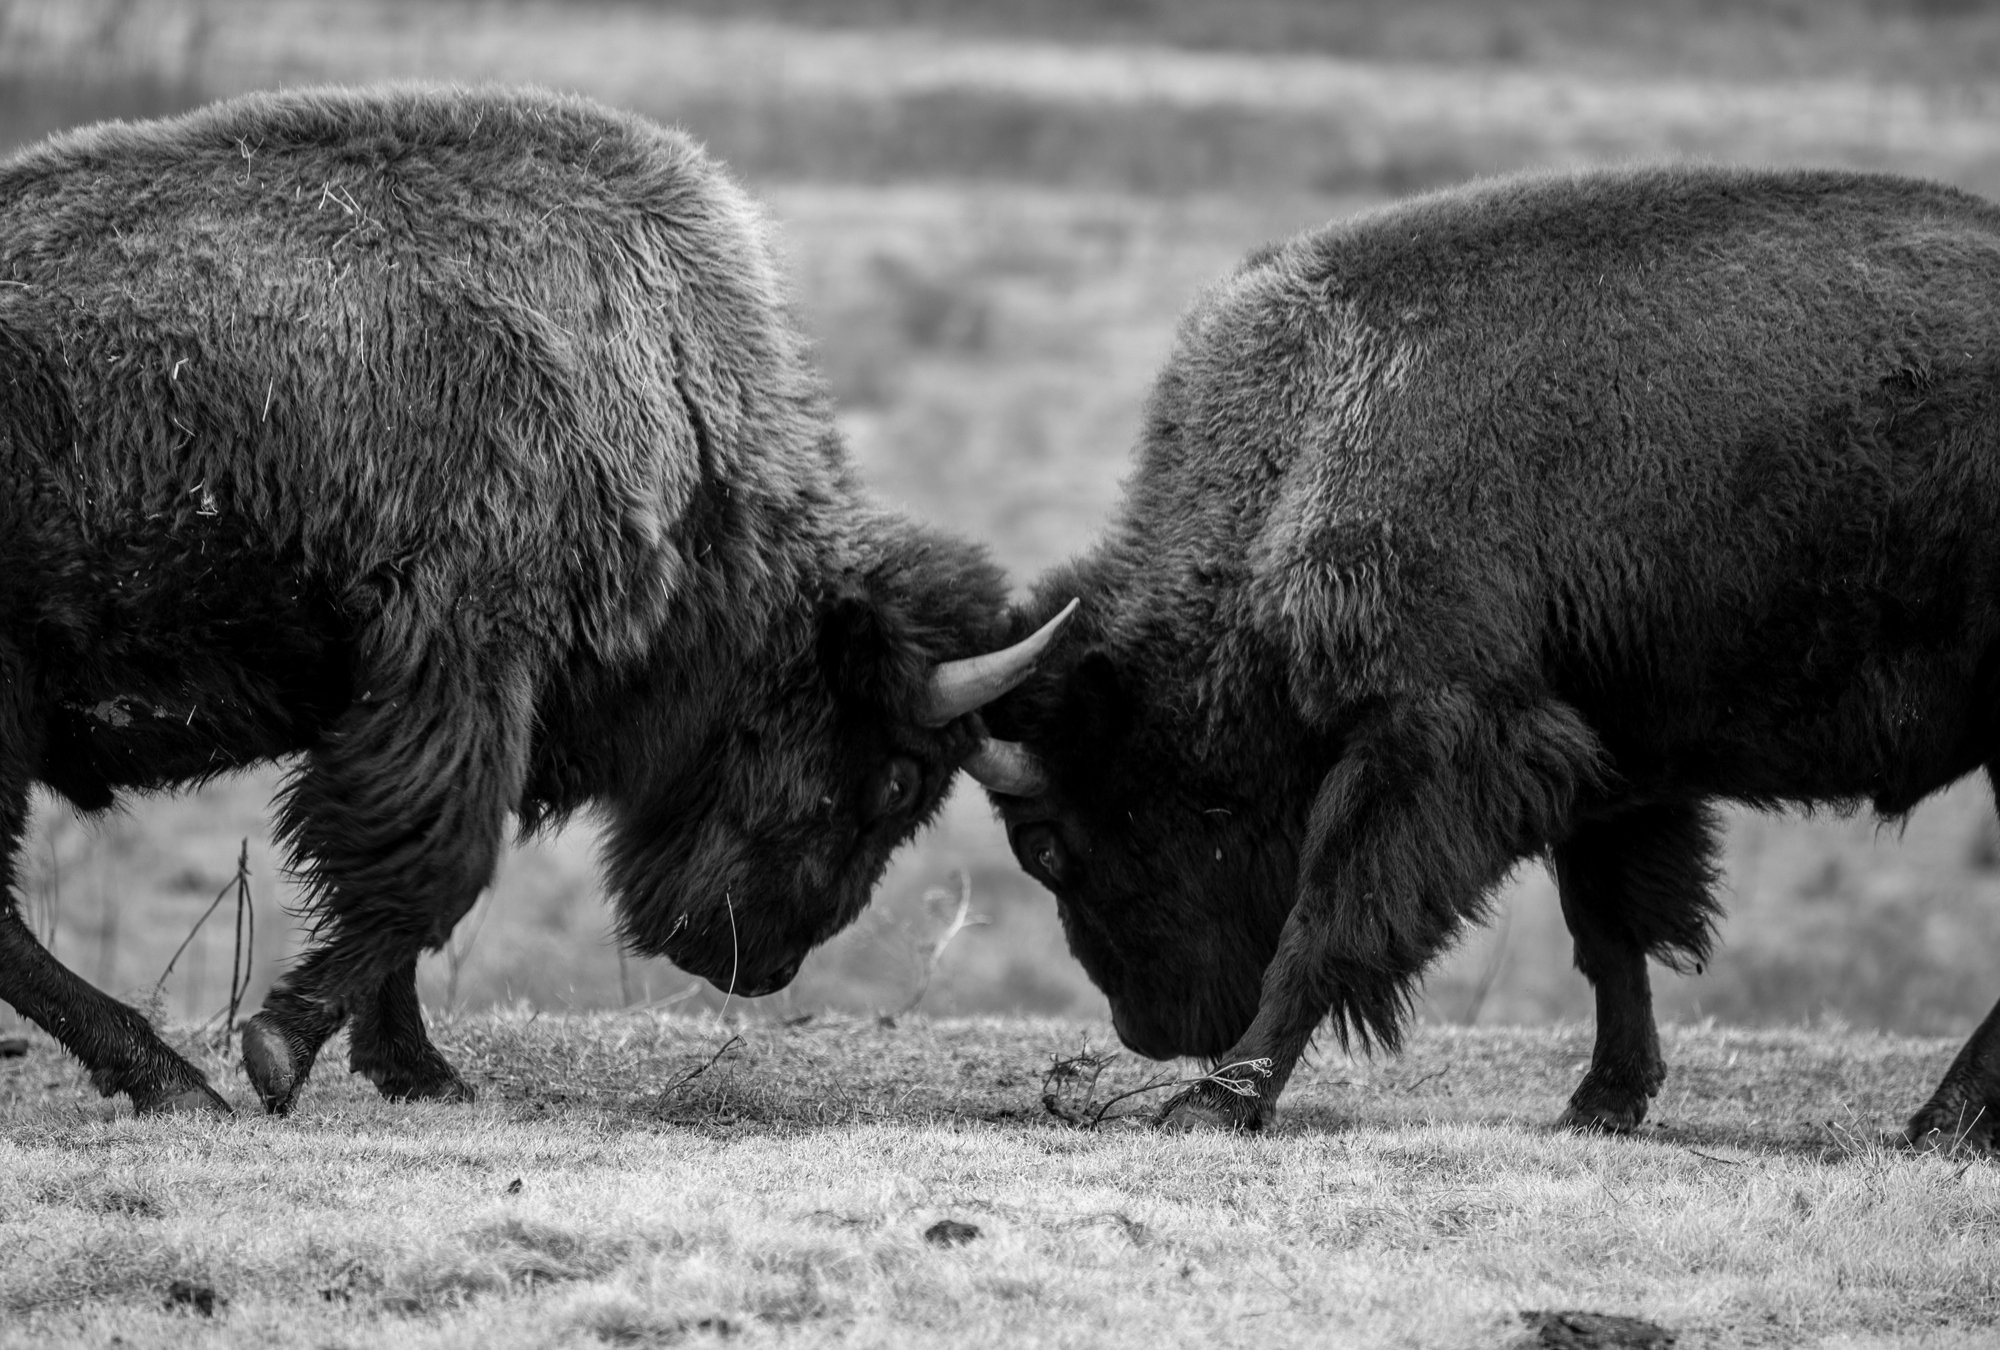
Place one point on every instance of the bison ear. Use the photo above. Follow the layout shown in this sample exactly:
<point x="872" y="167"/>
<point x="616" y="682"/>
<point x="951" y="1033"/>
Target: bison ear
<point x="865" y="650"/>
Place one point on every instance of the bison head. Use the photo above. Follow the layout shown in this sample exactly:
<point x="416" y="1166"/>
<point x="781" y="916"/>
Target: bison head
<point x="759" y="800"/>
<point x="1173" y="873"/>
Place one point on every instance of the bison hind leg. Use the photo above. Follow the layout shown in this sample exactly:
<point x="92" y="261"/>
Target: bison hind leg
<point x="1955" y="1121"/>
<point x="199" y="1100"/>
<point x="118" y="1047"/>
<point x="1637" y="883"/>
<point x="123" y="1053"/>
<point x="1963" y="1115"/>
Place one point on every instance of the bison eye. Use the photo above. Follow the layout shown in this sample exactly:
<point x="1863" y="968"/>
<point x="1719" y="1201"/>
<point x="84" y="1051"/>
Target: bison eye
<point x="1041" y="851"/>
<point x="895" y="788"/>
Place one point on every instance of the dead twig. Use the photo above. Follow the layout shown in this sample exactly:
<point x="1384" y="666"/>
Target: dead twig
<point x="458" y="951"/>
<point x="961" y="920"/>
<point x="239" y="884"/>
<point x="1078" y="1071"/>
<point x="244" y="952"/>
<point x="693" y="989"/>
<point x="1726" y="1162"/>
<point x="47" y="897"/>
<point x="707" y="1064"/>
<point x="1238" y="1078"/>
<point x="1491" y="973"/>
<point x="1431" y="1077"/>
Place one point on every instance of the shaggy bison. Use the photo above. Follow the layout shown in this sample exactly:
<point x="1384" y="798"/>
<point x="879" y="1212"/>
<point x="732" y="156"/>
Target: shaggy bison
<point x="1532" y="518"/>
<point x="459" y="444"/>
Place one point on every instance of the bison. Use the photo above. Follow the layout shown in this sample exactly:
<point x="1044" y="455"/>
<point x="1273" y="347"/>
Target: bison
<point x="458" y="443"/>
<point x="1532" y="518"/>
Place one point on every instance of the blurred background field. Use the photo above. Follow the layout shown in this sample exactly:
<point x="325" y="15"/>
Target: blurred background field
<point x="994" y="210"/>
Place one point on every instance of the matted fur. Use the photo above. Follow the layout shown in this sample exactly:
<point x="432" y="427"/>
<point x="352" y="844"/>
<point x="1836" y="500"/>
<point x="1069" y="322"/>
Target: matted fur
<point x="458" y="441"/>
<point x="1529" y="517"/>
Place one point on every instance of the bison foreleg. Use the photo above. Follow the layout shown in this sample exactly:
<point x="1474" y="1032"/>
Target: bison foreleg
<point x="1638" y="882"/>
<point x="387" y="1043"/>
<point x="1429" y="806"/>
<point x="397" y="821"/>
<point x="281" y="1042"/>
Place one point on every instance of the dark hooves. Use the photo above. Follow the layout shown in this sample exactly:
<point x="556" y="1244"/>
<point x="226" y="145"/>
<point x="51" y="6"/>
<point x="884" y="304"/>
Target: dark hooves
<point x="1599" y="1119"/>
<point x="268" y="1060"/>
<point x="185" y="1093"/>
<point x="1952" y="1128"/>
<point x="447" y="1087"/>
<point x="1195" y="1111"/>
<point x="200" y="1100"/>
<point x="405" y="1071"/>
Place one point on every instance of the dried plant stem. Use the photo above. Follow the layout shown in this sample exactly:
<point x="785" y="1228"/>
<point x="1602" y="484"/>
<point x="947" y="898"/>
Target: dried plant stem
<point x="962" y="919"/>
<point x="1238" y="1078"/>
<point x="707" y="1064"/>
<point x="240" y="884"/>
<point x="1491" y="973"/>
<point x="245" y="950"/>
<point x="457" y="952"/>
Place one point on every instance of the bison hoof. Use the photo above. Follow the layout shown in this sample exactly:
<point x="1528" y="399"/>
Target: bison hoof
<point x="406" y="1071"/>
<point x="1603" y="1105"/>
<point x="1195" y="1110"/>
<point x="1949" y="1123"/>
<point x="1600" y="1118"/>
<point x="198" y="1100"/>
<point x="404" y="1087"/>
<point x="268" y="1060"/>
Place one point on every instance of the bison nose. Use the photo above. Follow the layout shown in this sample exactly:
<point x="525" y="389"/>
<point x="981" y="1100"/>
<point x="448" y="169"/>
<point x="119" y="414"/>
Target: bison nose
<point x="772" y="982"/>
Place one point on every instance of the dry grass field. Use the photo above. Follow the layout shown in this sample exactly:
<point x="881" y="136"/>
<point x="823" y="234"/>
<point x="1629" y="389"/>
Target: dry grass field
<point x="640" y="1179"/>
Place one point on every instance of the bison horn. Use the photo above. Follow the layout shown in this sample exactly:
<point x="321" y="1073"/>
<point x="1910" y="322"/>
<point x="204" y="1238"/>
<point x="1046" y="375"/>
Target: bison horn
<point x="963" y="686"/>
<point x="1008" y="768"/>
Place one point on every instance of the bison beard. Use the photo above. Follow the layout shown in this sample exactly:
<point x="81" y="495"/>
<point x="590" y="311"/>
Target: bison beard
<point x="459" y="444"/>
<point x="1526" y="519"/>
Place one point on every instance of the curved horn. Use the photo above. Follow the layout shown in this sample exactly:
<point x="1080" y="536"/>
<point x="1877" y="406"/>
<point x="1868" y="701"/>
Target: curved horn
<point x="962" y="686"/>
<point x="1006" y="767"/>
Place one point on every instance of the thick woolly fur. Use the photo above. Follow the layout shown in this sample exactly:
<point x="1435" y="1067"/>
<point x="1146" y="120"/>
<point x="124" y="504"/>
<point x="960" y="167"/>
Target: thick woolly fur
<point x="459" y="439"/>
<point x="1530" y="517"/>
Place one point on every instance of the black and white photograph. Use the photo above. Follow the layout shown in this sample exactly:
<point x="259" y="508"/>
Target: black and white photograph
<point x="1014" y="673"/>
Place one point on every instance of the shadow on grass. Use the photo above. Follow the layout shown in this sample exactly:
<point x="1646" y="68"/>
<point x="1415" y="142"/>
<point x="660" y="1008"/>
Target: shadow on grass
<point x="1807" y="1093"/>
<point x="1731" y="1096"/>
